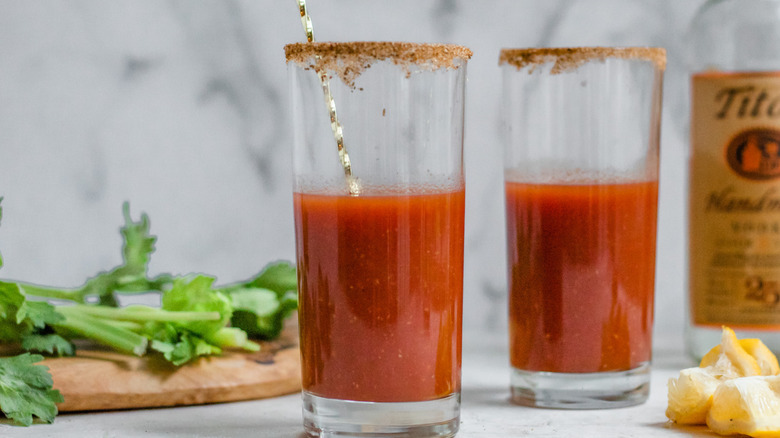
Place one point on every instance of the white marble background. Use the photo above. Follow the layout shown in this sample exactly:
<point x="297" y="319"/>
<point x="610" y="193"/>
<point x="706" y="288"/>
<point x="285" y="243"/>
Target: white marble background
<point x="181" y="108"/>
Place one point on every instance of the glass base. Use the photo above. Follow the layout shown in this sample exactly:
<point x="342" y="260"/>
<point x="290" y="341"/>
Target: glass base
<point x="581" y="391"/>
<point x="325" y="417"/>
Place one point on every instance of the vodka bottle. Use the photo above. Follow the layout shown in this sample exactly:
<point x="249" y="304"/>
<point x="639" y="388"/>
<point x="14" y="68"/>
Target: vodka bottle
<point x="734" y="181"/>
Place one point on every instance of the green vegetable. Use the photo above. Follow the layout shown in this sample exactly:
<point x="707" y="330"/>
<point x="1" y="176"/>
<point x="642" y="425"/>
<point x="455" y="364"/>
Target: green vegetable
<point x="184" y="348"/>
<point x="19" y="317"/>
<point x="27" y="322"/>
<point x="262" y="304"/>
<point x="197" y="295"/>
<point x="129" y="277"/>
<point x="182" y="341"/>
<point x="194" y="312"/>
<point x="195" y="319"/>
<point x="261" y="312"/>
<point x="25" y="390"/>
<point x="102" y="331"/>
<point x="51" y="344"/>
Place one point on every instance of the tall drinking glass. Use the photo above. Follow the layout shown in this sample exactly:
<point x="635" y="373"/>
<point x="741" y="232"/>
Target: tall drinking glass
<point x="380" y="243"/>
<point x="581" y="184"/>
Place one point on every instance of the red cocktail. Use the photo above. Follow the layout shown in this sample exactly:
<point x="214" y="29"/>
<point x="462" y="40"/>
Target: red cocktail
<point x="379" y="235"/>
<point x="581" y="173"/>
<point x="380" y="294"/>
<point x="582" y="263"/>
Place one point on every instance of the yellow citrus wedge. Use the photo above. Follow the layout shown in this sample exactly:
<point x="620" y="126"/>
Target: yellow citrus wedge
<point x="690" y="396"/>
<point x="746" y="405"/>
<point x="730" y="359"/>
<point x="766" y="360"/>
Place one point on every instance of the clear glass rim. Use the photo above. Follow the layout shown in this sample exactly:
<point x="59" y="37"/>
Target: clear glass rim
<point x="570" y="58"/>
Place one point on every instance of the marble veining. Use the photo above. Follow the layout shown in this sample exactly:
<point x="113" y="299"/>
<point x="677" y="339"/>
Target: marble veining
<point x="181" y="108"/>
<point x="217" y="34"/>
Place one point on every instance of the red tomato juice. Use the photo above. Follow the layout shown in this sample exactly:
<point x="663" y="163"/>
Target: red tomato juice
<point x="380" y="294"/>
<point x="582" y="264"/>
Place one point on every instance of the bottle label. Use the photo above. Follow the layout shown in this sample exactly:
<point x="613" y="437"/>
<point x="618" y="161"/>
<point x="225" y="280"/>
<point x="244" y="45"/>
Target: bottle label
<point x="734" y="226"/>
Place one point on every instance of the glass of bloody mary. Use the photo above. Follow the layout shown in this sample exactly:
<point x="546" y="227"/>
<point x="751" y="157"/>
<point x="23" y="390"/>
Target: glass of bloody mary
<point x="379" y="235"/>
<point x="581" y="132"/>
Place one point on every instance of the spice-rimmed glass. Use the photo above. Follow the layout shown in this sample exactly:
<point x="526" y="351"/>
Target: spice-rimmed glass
<point x="380" y="252"/>
<point x="581" y="185"/>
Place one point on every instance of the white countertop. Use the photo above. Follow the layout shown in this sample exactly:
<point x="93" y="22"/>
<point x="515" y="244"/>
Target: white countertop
<point x="485" y="411"/>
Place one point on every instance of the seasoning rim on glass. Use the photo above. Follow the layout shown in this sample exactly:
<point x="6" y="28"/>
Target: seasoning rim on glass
<point x="380" y="335"/>
<point x="582" y="135"/>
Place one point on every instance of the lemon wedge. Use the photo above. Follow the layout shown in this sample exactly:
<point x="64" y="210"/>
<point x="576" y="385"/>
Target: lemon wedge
<point x="730" y="359"/>
<point x="765" y="359"/>
<point x="691" y="394"/>
<point x="749" y="406"/>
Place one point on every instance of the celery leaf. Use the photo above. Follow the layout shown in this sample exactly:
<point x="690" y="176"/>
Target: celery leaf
<point x="19" y="317"/>
<point x="260" y="312"/>
<point x="51" y="344"/>
<point x="26" y="389"/>
<point x="196" y="294"/>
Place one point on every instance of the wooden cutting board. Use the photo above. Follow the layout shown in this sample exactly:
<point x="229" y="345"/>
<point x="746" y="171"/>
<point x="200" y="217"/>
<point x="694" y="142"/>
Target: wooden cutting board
<point x="98" y="379"/>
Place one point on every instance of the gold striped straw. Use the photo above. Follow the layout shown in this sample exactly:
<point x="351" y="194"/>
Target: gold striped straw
<point x="338" y="134"/>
